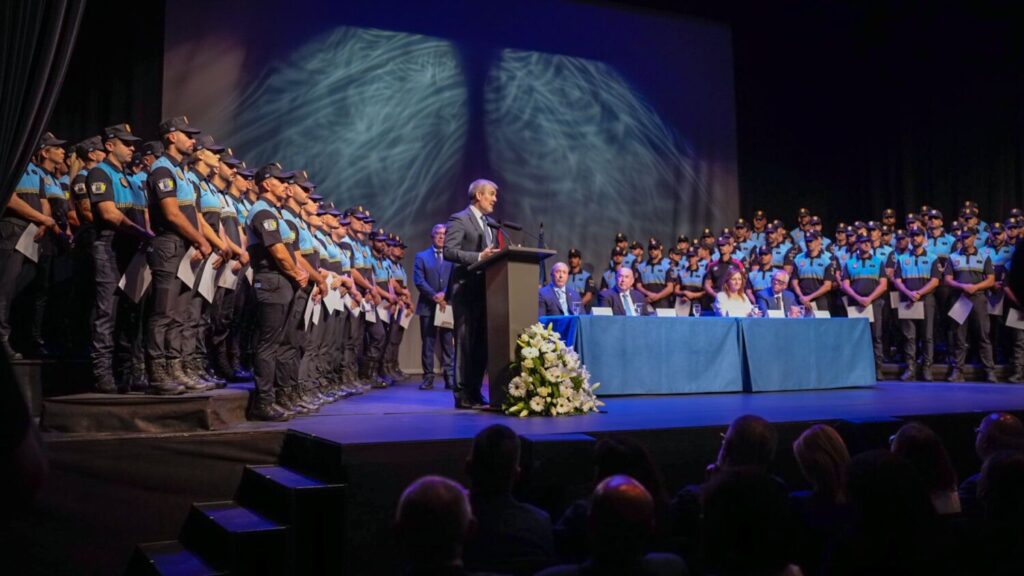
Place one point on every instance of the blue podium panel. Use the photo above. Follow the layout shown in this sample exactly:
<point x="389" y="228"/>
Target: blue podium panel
<point x="808" y="353"/>
<point x="651" y="355"/>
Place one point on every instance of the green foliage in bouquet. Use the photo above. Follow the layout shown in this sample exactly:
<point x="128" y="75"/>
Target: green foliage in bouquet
<point x="551" y="381"/>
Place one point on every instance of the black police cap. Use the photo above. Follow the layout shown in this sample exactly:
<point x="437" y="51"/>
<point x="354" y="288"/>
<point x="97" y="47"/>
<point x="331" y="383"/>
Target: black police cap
<point x="48" y="140"/>
<point x="90" y="144"/>
<point x="177" y="124"/>
<point x="122" y="132"/>
<point x="152" y="148"/>
<point x="273" y="171"/>
<point x="575" y="253"/>
<point x="205" y="142"/>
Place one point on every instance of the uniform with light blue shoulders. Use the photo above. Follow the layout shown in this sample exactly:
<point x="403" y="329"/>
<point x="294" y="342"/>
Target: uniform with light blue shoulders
<point x="970" y="266"/>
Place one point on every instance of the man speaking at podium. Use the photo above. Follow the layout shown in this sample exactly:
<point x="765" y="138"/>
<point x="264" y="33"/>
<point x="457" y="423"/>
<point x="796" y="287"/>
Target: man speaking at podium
<point x="468" y="240"/>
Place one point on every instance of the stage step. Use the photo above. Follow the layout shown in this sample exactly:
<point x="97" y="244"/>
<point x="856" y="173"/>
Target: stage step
<point x="211" y="410"/>
<point x="319" y="457"/>
<point x="315" y="511"/>
<point x="168" y="559"/>
<point x="237" y="539"/>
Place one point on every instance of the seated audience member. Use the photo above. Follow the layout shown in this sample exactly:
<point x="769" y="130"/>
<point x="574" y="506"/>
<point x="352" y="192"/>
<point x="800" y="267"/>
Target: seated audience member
<point x="431" y="524"/>
<point x="555" y="299"/>
<point x="894" y="527"/>
<point x="1001" y="492"/>
<point x="778" y="296"/>
<point x="620" y="524"/>
<point x="920" y="446"/>
<point x="732" y="300"/>
<point x="623" y="299"/>
<point x="615" y="455"/>
<point x="749" y="443"/>
<point x="997" y="431"/>
<point x="746" y="528"/>
<point x="822" y="511"/>
<point x="511" y="537"/>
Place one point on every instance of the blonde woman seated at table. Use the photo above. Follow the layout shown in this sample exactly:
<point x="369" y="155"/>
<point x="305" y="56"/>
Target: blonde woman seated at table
<point x="731" y="301"/>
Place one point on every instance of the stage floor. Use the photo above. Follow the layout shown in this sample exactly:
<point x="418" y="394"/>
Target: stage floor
<point x="404" y="413"/>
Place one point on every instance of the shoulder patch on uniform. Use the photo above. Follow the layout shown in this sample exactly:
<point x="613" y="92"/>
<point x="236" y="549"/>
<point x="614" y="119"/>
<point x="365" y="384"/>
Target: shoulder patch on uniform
<point x="179" y="174"/>
<point x="99" y="187"/>
<point x="270" y="224"/>
<point x="80" y="188"/>
<point x="49" y="181"/>
<point x="165" y="184"/>
<point x="203" y="186"/>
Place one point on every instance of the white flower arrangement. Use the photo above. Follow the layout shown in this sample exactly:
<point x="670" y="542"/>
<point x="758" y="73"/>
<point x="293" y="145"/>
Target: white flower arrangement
<point x="551" y="380"/>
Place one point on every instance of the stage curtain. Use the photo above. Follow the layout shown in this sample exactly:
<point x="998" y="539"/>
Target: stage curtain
<point x="36" y="38"/>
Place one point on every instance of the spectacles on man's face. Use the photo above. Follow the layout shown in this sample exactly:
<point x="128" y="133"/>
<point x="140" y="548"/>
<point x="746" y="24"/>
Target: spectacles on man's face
<point x="778" y="281"/>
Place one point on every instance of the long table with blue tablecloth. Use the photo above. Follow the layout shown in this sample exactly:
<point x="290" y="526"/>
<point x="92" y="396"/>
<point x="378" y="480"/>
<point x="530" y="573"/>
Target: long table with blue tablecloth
<point x="664" y="355"/>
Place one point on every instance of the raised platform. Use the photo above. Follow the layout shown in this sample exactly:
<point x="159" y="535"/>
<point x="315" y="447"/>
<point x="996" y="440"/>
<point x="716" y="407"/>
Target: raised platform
<point x="110" y="492"/>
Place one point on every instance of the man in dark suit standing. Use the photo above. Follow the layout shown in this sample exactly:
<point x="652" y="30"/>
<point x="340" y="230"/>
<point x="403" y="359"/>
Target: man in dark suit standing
<point x="623" y="298"/>
<point x="777" y="296"/>
<point x="467" y="241"/>
<point x="556" y="299"/>
<point x="430" y="273"/>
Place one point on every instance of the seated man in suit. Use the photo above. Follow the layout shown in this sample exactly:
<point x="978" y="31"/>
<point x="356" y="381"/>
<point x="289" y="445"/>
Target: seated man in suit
<point x="555" y="299"/>
<point x="623" y="298"/>
<point x="777" y="296"/>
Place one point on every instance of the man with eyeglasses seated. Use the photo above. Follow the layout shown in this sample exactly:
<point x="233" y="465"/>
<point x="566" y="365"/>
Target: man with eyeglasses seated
<point x="778" y="297"/>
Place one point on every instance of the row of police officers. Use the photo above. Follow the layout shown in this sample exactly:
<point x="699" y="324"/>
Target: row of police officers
<point x="864" y="265"/>
<point x="192" y="267"/>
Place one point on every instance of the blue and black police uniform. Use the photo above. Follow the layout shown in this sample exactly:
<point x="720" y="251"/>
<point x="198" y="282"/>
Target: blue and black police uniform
<point x="864" y="275"/>
<point x="915" y="269"/>
<point x="971" y="267"/>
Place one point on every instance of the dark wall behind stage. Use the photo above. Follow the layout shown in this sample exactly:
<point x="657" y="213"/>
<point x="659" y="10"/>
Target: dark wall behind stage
<point x="845" y="107"/>
<point x="592" y="119"/>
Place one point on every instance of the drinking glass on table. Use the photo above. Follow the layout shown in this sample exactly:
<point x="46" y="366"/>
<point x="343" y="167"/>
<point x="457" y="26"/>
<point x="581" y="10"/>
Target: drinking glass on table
<point x="802" y="310"/>
<point x="696" y="309"/>
<point x="576" y="308"/>
<point x="639" y="308"/>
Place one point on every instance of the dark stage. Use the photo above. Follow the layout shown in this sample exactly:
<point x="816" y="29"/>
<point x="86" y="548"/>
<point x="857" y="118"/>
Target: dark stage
<point x="359" y="454"/>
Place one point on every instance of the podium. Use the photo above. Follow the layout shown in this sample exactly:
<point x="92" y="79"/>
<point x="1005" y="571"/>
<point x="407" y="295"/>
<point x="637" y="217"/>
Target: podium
<point x="512" y="278"/>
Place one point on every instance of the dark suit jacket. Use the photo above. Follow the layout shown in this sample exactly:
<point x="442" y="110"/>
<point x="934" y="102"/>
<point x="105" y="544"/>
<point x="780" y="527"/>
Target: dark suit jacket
<point x="464" y="240"/>
<point x="430" y="277"/>
<point x="766" y="301"/>
<point x="611" y="298"/>
<point x="547" y="301"/>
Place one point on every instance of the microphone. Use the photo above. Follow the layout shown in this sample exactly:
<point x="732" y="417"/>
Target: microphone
<point x="502" y="225"/>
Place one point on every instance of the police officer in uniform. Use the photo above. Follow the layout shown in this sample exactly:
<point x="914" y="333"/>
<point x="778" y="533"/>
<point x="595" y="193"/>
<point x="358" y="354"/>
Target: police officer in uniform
<point x="719" y="270"/>
<point x="276" y="277"/>
<point x="616" y="260"/>
<point x="24" y="207"/>
<point x="88" y="153"/>
<point x="377" y="332"/>
<point x="657" y="278"/>
<point x="175" y="221"/>
<point x="1000" y="252"/>
<point x="635" y="256"/>
<point x="970" y="274"/>
<point x="346" y="354"/>
<point x="690" y="279"/>
<point x="119" y="214"/>
<point x="760" y="276"/>
<point x="813" y="272"/>
<point x="864" y="283"/>
<point x="580" y="280"/>
<point x="400" y="285"/>
<point x="758" y="233"/>
<point x="916" y="276"/>
<point x="203" y="162"/>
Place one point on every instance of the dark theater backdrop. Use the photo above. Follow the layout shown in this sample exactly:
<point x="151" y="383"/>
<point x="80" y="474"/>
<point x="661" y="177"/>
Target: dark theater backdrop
<point x="593" y="119"/>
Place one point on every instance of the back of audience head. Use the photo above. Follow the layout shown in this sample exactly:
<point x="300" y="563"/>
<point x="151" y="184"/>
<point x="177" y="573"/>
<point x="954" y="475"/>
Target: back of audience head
<point x="432" y="521"/>
<point x="746" y="524"/>
<point x="623" y="455"/>
<point x="621" y="520"/>
<point x="1001" y="488"/>
<point x="493" y="464"/>
<point x="999" y="431"/>
<point x="749" y="442"/>
<point x="887" y="493"/>
<point x="822" y="456"/>
<point x="920" y="446"/>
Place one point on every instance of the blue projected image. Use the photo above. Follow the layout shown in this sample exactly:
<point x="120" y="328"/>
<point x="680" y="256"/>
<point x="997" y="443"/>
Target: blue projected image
<point x="581" y="148"/>
<point x="592" y="119"/>
<point x="376" y="117"/>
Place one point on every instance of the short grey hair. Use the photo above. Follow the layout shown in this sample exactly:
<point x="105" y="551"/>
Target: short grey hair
<point x="781" y="272"/>
<point x="436" y="228"/>
<point x="477" y="184"/>
<point x="557" y="264"/>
